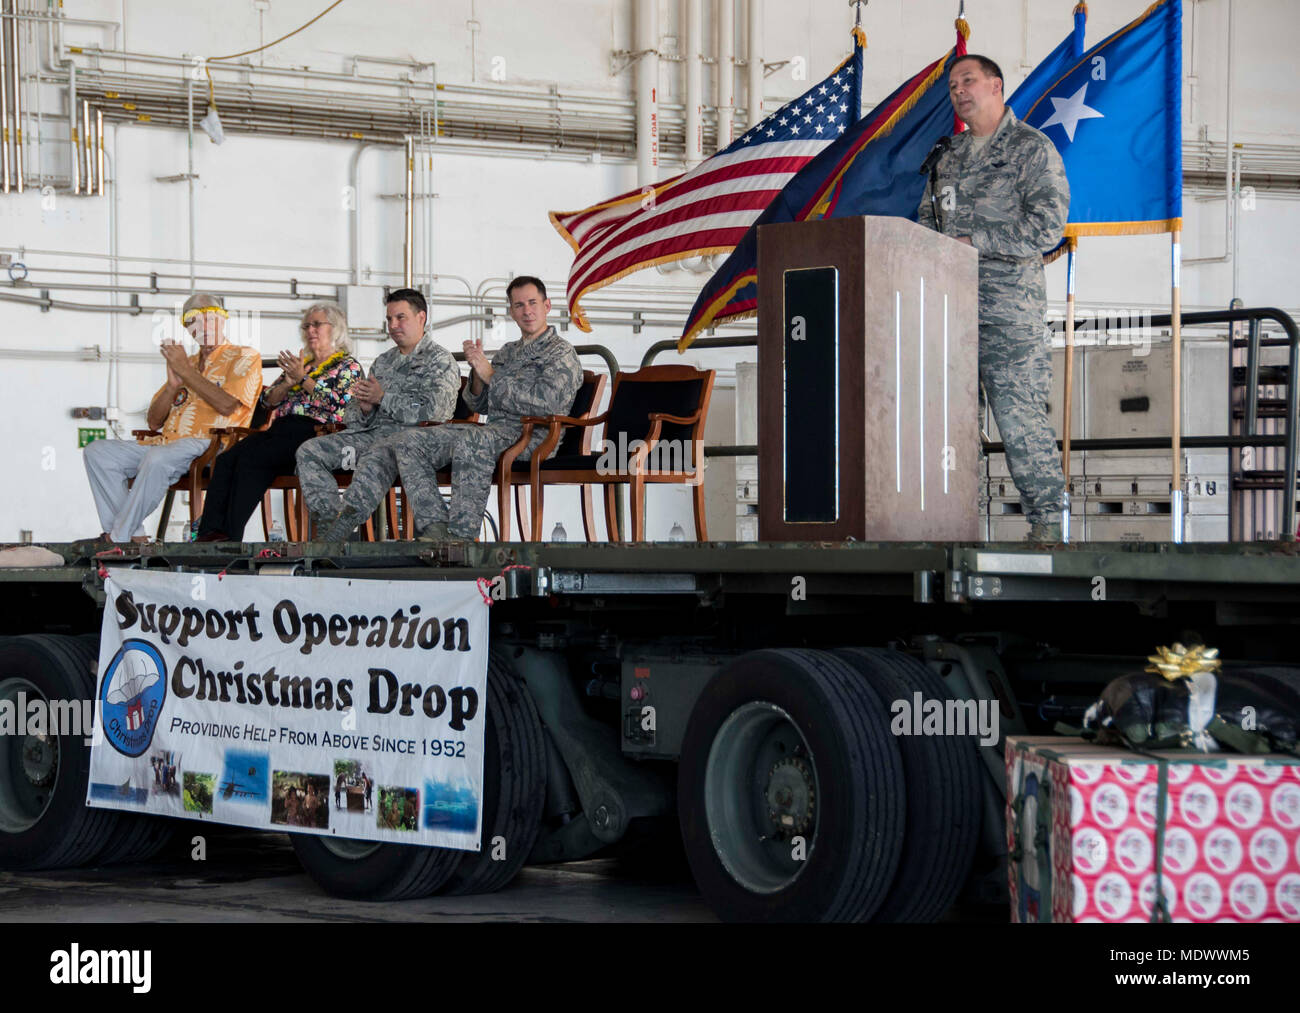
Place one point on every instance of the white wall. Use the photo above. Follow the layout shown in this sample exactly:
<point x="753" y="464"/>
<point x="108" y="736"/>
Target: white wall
<point x="276" y="202"/>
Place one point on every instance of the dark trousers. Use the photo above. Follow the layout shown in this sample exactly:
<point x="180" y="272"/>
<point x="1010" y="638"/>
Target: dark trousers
<point x="242" y="474"/>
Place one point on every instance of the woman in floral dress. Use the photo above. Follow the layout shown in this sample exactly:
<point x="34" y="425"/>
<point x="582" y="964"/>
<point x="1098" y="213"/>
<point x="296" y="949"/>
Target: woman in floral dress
<point x="312" y="390"/>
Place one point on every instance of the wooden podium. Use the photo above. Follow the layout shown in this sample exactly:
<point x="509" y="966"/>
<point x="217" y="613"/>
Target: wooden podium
<point x="868" y="382"/>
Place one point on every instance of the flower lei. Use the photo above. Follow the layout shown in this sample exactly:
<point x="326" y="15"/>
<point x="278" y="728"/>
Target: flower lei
<point x="319" y="370"/>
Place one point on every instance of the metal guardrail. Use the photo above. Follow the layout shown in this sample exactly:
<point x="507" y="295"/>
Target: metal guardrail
<point x="747" y="341"/>
<point x="1250" y="438"/>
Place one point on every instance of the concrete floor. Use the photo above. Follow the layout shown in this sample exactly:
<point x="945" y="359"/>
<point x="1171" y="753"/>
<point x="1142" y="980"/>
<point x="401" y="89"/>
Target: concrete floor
<point x="254" y="877"/>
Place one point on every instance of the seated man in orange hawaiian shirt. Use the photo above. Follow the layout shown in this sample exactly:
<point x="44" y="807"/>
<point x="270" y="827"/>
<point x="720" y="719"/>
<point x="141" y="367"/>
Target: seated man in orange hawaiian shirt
<point x="217" y="386"/>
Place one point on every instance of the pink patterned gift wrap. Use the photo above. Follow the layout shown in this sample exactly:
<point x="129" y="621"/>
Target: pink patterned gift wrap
<point x="1082" y="834"/>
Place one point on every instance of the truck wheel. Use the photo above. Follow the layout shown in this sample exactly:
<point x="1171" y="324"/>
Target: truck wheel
<point x="790" y="791"/>
<point x="368" y="870"/>
<point x="137" y="837"/>
<point x="514" y="786"/>
<point x="943" y="795"/>
<point x="44" y="820"/>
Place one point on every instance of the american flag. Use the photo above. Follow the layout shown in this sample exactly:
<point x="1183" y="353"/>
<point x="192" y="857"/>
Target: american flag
<point x="708" y="209"/>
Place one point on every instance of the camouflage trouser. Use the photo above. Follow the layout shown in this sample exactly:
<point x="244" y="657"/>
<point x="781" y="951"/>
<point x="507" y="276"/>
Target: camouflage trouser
<point x="472" y="452"/>
<point x="368" y="455"/>
<point x="1016" y="371"/>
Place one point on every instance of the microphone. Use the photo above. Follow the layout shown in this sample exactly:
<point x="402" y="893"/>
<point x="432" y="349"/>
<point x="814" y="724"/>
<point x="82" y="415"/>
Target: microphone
<point x="936" y="153"/>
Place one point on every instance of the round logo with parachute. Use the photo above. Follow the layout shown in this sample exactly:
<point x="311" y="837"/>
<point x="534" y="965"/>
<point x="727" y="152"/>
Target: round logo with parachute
<point x="131" y="696"/>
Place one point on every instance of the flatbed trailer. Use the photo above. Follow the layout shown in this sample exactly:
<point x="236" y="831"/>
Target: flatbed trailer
<point x="749" y="696"/>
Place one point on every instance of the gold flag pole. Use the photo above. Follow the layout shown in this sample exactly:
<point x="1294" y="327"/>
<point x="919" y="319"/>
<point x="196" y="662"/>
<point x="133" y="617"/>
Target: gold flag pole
<point x="1072" y="244"/>
<point x="1176" y="339"/>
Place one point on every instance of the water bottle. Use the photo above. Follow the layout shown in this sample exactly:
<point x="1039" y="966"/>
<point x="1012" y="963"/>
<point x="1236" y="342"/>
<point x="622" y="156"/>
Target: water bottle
<point x="559" y="534"/>
<point x="276" y="533"/>
<point x="194" y="530"/>
<point x="676" y="534"/>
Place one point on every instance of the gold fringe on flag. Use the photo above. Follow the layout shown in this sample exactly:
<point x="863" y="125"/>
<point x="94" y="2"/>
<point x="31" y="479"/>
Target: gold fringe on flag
<point x="859" y="36"/>
<point x="1081" y="7"/>
<point x="962" y="27"/>
<point x="1124" y="228"/>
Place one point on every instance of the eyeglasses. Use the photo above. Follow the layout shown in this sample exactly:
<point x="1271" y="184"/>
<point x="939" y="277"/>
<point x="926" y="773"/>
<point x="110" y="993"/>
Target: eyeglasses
<point x="316" y="323"/>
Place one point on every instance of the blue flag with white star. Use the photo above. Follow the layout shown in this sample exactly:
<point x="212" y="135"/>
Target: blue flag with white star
<point x="1115" y="115"/>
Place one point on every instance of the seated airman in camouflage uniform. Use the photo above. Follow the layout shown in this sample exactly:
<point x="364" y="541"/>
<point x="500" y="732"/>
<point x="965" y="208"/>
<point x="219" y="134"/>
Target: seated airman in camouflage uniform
<point x="539" y="374"/>
<point x="415" y="382"/>
<point x="1001" y="188"/>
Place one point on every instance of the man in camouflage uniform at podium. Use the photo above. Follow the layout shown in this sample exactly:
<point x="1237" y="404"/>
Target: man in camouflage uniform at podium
<point x="1001" y="188"/>
<point x="538" y="374"/>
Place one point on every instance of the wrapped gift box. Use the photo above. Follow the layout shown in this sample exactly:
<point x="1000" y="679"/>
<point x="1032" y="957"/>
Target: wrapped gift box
<point x="1082" y="834"/>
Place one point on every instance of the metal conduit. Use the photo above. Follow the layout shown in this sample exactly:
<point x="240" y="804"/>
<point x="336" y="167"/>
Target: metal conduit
<point x="4" y="101"/>
<point x="16" y="55"/>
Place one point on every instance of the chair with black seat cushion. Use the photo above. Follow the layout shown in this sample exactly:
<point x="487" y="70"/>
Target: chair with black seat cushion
<point x="575" y="441"/>
<point x="654" y="434"/>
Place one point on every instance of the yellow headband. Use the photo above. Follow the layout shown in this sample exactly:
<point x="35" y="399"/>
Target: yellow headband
<point x="200" y="311"/>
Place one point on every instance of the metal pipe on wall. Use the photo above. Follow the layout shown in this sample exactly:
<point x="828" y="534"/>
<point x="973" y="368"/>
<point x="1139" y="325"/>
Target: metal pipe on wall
<point x="409" y="250"/>
<point x="694" y="83"/>
<point x="73" y="151"/>
<point x="354" y="177"/>
<point x="1229" y="189"/>
<point x="16" y="56"/>
<point x="647" y="92"/>
<point x="725" y="80"/>
<point x="88" y="146"/>
<point x="189" y="165"/>
<point x="4" y="102"/>
<point x="99" y="149"/>
<point x="55" y="61"/>
<point x="754" y="58"/>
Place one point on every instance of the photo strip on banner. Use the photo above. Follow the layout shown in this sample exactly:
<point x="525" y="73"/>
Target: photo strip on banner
<point x="350" y="708"/>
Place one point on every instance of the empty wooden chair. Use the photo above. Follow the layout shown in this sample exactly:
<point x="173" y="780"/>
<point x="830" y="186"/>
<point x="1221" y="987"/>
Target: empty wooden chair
<point x="654" y="434"/>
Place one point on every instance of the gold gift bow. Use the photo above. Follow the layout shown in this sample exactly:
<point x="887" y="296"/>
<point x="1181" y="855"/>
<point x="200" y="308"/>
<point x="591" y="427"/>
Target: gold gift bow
<point x="1179" y="662"/>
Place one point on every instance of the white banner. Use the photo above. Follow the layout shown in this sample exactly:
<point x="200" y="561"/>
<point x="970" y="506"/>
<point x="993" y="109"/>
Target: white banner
<point x="342" y="707"/>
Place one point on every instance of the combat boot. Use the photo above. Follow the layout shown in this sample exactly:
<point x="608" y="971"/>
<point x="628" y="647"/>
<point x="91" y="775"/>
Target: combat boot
<point x="1044" y="532"/>
<point x="435" y="532"/>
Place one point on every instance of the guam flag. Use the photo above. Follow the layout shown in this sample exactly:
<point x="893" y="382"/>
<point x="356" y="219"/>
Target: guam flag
<point x="870" y="170"/>
<point x="1115" y="115"/>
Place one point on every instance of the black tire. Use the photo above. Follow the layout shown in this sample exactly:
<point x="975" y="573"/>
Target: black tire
<point x="943" y="795"/>
<point x="45" y="822"/>
<point x="853" y="830"/>
<point x="514" y="785"/>
<point x="379" y="872"/>
<point x="137" y="837"/>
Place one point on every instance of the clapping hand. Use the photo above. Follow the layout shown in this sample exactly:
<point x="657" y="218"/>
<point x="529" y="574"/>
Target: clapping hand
<point x="477" y="360"/>
<point x="176" y="360"/>
<point x="292" y="365"/>
<point x="368" y="391"/>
